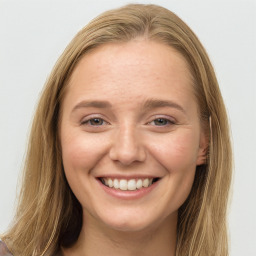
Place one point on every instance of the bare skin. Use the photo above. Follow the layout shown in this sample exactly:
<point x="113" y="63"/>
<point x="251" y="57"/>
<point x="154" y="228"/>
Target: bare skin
<point x="130" y="114"/>
<point x="102" y="241"/>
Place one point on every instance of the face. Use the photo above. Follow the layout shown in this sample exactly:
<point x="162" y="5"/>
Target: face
<point x="130" y="134"/>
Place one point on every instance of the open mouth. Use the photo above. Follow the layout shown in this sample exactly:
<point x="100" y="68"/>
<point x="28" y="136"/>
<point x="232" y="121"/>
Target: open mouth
<point x="130" y="184"/>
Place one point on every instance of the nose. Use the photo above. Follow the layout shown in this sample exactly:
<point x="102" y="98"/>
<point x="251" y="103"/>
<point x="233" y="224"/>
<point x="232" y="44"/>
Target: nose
<point x="127" y="147"/>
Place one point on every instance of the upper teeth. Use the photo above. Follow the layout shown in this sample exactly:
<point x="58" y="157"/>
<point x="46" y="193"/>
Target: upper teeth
<point x="124" y="184"/>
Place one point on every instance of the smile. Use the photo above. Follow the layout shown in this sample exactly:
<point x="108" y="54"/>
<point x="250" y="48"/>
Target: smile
<point x="128" y="184"/>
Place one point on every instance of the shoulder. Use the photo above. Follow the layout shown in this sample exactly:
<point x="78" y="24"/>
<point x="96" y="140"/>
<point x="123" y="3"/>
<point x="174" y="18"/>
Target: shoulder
<point x="4" y="250"/>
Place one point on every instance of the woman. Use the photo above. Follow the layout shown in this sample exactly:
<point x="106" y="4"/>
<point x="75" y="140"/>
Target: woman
<point x="129" y="151"/>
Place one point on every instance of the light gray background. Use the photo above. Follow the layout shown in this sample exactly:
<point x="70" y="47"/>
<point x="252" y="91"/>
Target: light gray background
<point x="34" y="33"/>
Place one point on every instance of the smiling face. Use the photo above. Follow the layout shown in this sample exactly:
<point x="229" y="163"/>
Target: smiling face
<point x="131" y="135"/>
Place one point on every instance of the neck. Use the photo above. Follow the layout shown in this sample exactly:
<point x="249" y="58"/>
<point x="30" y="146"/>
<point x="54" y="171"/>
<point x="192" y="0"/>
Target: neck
<point x="99" y="241"/>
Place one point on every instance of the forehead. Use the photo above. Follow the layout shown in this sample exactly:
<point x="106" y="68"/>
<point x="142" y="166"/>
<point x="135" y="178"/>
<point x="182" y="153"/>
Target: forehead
<point x="139" y="68"/>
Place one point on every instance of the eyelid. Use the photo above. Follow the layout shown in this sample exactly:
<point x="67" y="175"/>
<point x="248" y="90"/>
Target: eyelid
<point x="92" y="116"/>
<point x="86" y="119"/>
<point x="172" y="120"/>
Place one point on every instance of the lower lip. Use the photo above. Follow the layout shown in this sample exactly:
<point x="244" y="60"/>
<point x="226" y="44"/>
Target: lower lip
<point x="128" y="194"/>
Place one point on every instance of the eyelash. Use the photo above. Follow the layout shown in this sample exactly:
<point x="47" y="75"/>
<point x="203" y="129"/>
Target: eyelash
<point x="167" y="122"/>
<point x="162" y="119"/>
<point x="89" y="121"/>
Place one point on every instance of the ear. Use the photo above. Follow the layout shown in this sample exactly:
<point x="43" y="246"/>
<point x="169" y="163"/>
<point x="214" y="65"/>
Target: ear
<point x="203" y="148"/>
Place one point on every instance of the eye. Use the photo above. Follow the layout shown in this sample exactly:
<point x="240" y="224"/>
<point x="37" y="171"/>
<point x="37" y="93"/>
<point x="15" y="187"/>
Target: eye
<point x="161" y="122"/>
<point x="94" y="122"/>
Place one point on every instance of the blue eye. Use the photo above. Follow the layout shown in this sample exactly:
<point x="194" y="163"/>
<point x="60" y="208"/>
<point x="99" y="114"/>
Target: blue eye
<point x="94" y="122"/>
<point x="161" y="122"/>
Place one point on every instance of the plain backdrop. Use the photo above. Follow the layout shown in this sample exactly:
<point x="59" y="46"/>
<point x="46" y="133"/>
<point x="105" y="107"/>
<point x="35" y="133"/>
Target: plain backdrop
<point x="34" y="33"/>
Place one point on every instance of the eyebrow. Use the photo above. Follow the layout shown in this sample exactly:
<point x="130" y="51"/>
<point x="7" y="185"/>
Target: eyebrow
<point x="92" y="104"/>
<point x="147" y="105"/>
<point x="156" y="103"/>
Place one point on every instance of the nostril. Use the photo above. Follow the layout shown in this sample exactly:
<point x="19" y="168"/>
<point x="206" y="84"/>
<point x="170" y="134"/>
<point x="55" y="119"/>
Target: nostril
<point x="126" y="148"/>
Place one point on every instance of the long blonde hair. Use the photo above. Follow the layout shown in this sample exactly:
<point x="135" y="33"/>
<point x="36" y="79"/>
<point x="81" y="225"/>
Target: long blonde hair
<point x="49" y="216"/>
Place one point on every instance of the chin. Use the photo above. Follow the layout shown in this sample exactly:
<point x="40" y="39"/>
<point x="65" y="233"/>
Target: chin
<point x="128" y="226"/>
<point x="133" y="222"/>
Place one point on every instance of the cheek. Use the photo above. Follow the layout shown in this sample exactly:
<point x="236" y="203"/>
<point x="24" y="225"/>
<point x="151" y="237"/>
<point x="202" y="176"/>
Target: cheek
<point x="178" y="155"/>
<point x="177" y="152"/>
<point x="82" y="152"/>
<point x="184" y="149"/>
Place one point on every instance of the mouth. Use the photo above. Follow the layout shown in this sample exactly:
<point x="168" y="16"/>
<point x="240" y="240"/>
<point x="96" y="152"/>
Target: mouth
<point x="128" y="184"/>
